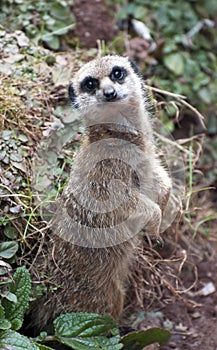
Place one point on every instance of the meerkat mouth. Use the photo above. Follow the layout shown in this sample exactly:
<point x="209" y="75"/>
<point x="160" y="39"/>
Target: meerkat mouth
<point x="115" y="100"/>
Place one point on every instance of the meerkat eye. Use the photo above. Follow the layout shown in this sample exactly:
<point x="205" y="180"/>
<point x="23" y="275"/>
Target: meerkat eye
<point x="118" y="74"/>
<point x="89" y="84"/>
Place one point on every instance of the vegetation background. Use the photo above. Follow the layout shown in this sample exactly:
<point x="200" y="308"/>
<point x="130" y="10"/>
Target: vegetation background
<point x="175" y="44"/>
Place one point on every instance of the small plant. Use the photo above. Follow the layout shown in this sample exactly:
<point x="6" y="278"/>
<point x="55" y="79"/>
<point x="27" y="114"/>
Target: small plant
<point x="78" y="331"/>
<point x="41" y="20"/>
<point x="183" y="61"/>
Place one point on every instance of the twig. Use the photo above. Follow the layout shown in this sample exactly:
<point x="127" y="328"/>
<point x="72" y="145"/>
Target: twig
<point x="164" y="92"/>
<point x="193" y="109"/>
<point x="171" y="142"/>
<point x="16" y="196"/>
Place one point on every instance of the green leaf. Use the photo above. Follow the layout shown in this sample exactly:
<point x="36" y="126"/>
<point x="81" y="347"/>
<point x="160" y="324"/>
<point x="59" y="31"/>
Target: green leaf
<point x="18" y="165"/>
<point x="205" y="95"/>
<point x="83" y="331"/>
<point x="9" y="296"/>
<point x="11" y="340"/>
<point x="59" y="11"/>
<point x="140" y="12"/>
<point x="60" y="74"/>
<point x="23" y="138"/>
<point x="175" y="63"/>
<point x="6" y="134"/>
<point x="4" y="324"/>
<point x="16" y="157"/>
<point x="20" y="286"/>
<point x="41" y="336"/>
<point x="52" y="41"/>
<point x="4" y="270"/>
<point x="44" y="347"/>
<point x="10" y="231"/>
<point x="8" y="249"/>
<point x="95" y="343"/>
<point x="83" y="325"/>
<point x="2" y="312"/>
<point x="138" y="340"/>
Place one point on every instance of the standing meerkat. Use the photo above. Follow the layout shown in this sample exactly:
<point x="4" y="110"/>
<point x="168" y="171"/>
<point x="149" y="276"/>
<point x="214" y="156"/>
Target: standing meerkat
<point x="116" y="188"/>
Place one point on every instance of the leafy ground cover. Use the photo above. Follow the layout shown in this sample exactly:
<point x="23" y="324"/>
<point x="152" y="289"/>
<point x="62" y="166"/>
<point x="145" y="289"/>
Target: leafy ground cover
<point x="168" y="285"/>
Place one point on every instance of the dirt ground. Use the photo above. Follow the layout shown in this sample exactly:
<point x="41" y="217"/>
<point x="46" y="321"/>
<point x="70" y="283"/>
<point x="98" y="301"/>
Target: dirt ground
<point x="92" y="22"/>
<point x="195" y="327"/>
<point x="193" y="320"/>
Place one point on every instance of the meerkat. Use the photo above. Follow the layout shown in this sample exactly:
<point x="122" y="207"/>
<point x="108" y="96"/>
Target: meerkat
<point x="117" y="187"/>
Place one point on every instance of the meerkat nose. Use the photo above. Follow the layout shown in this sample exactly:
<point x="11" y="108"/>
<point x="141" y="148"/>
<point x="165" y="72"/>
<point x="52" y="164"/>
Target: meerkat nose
<point x="109" y="92"/>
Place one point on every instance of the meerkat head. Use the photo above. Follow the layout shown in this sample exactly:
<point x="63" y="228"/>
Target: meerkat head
<point x="106" y="80"/>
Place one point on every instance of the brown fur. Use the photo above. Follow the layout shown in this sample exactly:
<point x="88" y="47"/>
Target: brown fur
<point x="93" y="277"/>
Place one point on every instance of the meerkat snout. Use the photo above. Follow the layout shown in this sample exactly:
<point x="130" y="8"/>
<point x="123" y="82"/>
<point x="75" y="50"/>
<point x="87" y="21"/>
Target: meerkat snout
<point x="108" y="89"/>
<point x="109" y="92"/>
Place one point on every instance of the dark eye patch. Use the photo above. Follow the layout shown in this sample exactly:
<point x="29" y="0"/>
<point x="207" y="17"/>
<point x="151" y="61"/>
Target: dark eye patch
<point x="72" y="96"/>
<point x="89" y="84"/>
<point x="118" y="74"/>
<point x="135" y="67"/>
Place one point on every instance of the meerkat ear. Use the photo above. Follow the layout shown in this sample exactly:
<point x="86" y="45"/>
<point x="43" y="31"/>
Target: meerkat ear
<point x="135" y="67"/>
<point x="72" y="95"/>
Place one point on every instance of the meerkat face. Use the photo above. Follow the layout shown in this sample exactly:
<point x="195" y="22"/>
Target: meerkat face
<point x="111" y="79"/>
